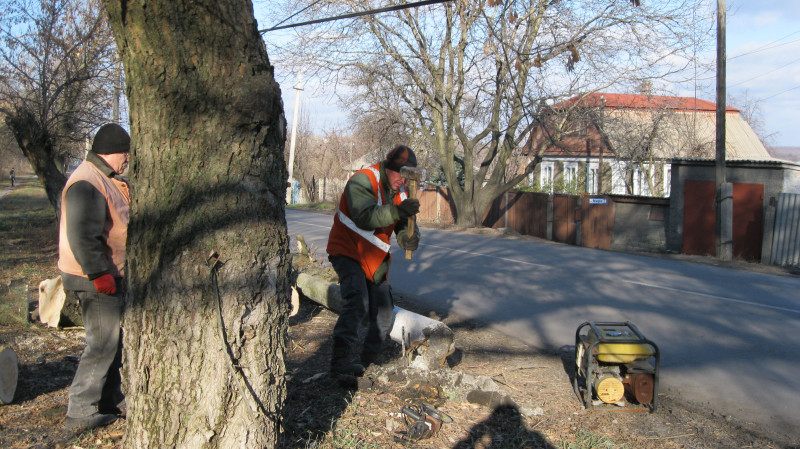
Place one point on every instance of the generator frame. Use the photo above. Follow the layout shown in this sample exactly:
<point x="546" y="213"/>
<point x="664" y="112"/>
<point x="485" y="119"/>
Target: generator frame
<point x="590" y="358"/>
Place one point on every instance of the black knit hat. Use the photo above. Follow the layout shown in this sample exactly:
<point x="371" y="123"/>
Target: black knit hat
<point x="400" y="156"/>
<point x="110" y="139"/>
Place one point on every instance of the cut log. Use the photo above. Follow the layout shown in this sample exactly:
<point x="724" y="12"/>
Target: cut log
<point x="426" y="342"/>
<point x="56" y="306"/>
<point x="8" y="375"/>
<point x="51" y="301"/>
<point x="295" y="302"/>
<point x="320" y="291"/>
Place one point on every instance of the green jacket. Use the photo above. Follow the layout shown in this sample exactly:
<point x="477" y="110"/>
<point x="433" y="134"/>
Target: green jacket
<point x="368" y="215"/>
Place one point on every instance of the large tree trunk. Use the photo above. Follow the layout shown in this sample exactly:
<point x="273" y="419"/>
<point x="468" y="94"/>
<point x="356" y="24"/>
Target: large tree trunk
<point x="36" y="144"/>
<point x="207" y="174"/>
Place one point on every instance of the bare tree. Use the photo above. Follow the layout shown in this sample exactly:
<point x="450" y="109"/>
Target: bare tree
<point x="208" y="260"/>
<point x="750" y="110"/>
<point x="471" y="78"/>
<point x="305" y="163"/>
<point x="56" y="55"/>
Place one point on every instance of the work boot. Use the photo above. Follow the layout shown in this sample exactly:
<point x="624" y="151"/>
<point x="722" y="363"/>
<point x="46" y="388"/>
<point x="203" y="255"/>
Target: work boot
<point x="90" y="422"/>
<point x="368" y="358"/>
<point x="120" y="409"/>
<point x="342" y="360"/>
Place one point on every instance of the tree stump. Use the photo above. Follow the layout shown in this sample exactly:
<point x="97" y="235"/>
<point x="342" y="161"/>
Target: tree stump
<point x="9" y="371"/>
<point x="427" y="342"/>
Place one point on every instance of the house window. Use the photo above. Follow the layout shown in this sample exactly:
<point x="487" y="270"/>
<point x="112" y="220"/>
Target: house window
<point x="640" y="185"/>
<point x="667" y="179"/>
<point x="570" y="175"/>
<point x="591" y="178"/>
<point x="546" y="177"/>
<point x="618" y="178"/>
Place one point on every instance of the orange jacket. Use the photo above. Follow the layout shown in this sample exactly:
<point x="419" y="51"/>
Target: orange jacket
<point x="367" y="246"/>
<point x="115" y="229"/>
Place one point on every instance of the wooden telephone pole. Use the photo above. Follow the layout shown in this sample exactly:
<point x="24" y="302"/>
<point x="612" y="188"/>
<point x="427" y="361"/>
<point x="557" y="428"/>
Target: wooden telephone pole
<point x="724" y="209"/>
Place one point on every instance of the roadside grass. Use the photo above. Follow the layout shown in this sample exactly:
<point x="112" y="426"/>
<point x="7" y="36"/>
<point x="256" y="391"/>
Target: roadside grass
<point x="313" y="206"/>
<point x="28" y="242"/>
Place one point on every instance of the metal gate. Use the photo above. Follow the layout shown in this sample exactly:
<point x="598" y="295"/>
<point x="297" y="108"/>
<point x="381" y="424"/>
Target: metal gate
<point x="564" y="217"/>
<point x="699" y="219"/>
<point x="597" y="225"/>
<point x="748" y="221"/>
<point x="786" y="238"/>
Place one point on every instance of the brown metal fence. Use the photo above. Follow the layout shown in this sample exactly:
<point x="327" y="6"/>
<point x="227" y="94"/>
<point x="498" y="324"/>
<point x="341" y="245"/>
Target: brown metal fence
<point x="436" y="205"/>
<point x="572" y="219"/>
<point x="521" y="212"/>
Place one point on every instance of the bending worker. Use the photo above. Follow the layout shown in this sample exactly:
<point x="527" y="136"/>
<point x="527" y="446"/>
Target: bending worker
<point x="91" y="258"/>
<point x="374" y="204"/>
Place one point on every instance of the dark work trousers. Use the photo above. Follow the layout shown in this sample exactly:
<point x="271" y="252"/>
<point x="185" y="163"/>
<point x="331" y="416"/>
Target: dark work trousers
<point x="363" y="301"/>
<point x="97" y="383"/>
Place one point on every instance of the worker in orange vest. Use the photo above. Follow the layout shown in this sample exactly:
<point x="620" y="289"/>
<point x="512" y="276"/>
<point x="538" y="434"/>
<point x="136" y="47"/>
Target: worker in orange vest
<point x="373" y="206"/>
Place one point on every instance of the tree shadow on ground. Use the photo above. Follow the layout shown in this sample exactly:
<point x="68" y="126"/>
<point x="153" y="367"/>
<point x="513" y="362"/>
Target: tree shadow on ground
<point x="44" y="378"/>
<point x="503" y="428"/>
<point x="310" y="414"/>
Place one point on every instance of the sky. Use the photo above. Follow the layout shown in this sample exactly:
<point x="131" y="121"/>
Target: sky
<point x="763" y="51"/>
<point x="763" y="48"/>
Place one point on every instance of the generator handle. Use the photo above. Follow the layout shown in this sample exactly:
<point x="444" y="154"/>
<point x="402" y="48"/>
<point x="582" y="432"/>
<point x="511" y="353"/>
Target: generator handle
<point x="594" y="325"/>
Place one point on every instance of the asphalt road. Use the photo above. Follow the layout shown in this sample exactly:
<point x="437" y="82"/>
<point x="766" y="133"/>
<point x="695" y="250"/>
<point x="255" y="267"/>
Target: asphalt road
<point x="729" y="339"/>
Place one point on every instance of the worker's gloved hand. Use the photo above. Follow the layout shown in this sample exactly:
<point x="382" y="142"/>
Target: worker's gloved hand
<point x="408" y="208"/>
<point x="106" y="284"/>
<point x="411" y="243"/>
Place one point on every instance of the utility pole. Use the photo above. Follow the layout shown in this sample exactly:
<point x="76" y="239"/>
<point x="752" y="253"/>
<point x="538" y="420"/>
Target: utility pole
<point x="297" y="89"/>
<point x="724" y="209"/>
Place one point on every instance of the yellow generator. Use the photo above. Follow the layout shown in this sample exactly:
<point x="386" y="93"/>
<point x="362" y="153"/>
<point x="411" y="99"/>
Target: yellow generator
<point x="615" y="364"/>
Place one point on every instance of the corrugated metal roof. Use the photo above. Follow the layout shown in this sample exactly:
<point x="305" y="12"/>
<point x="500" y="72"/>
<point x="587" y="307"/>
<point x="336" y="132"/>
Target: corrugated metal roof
<point x="736" y="162"/>
<point x="694" y="134"/>
<point x="680" y="133"/>
<point x="640" y="101"/>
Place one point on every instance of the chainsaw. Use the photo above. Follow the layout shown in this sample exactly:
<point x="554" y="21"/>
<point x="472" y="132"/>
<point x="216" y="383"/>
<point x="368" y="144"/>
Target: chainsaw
<point x="423" y="421"/>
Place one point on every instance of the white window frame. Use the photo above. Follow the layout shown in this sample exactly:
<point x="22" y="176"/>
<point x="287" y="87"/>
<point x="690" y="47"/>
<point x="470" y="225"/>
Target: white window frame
<point x="667" y="180"/>
<point x="618" y="181"/>
<point x="546" y="175"/>
<point x="591" y="179"/>
<point x="640" y="184"/>
<point x="570" y="173"/>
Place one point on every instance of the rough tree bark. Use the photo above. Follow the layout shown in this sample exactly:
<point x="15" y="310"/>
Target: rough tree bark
<point x="207" y="173"/>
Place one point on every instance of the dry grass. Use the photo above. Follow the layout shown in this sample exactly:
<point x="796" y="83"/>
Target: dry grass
<point x="28" y="235"/>
<point x="322" y="413"/>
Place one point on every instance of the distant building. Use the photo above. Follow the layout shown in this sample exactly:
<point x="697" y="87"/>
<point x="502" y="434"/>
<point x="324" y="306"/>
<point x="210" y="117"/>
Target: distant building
<point x="623" y="143"/>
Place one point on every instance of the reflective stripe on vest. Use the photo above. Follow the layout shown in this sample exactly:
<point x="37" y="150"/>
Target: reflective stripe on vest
<point x="367" y="235"/>
<point x="378" y="177"/>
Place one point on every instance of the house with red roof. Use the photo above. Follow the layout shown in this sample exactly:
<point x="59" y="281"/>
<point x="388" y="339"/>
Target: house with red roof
<point x="607" y="143"/>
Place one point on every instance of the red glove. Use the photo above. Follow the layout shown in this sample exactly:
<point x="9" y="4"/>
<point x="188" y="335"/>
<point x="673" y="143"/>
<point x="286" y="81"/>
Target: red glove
<point x="106" y="284"/>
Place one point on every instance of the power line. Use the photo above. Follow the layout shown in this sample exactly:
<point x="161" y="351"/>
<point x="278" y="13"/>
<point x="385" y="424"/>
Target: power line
<point x="355" y="14"/>
<point x="293" y="15"/>
<point x="767" y="46"/>
<point x="779" y="93"/>
<point x="767" y="73"/>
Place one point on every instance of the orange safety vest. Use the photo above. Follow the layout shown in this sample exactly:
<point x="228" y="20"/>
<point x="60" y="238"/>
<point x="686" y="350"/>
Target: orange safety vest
<point x="115" y="231"/>
<point x="368" y="247"/>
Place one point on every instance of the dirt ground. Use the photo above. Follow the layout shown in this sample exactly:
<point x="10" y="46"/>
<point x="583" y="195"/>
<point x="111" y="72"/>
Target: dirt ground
<point x="533" y="405"/>
<point x="498" y="392"/>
